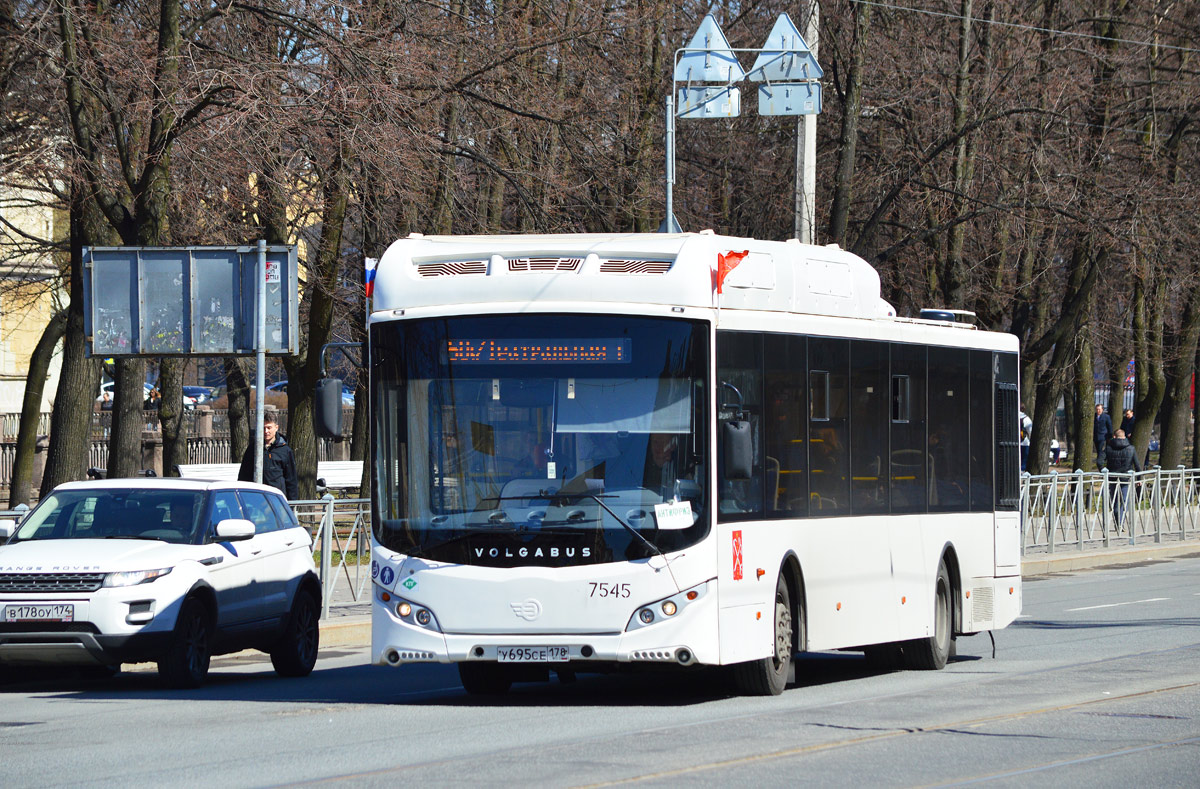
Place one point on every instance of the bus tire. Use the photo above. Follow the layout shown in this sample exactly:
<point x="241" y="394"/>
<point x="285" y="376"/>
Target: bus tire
<point x="768" y="676"/>
<point x="484" y="679"/>
<point x="931" y="654"/>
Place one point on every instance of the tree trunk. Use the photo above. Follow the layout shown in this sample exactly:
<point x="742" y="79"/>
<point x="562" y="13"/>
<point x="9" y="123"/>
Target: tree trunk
<point x="21" y="482"/>
<point x="170" y="414"/>
<point x="79" y="378"/>
<point x="1050" y="386"/>
<point x="237" y="393"/>
<point x="128" y="418"/>
<point x="1148" y="321"/>
<point x="953" y="279"/>
<point x="1175" y="422"/>
<point x="1195" y="414"/>
<point x="1060" y="341"/>
<point x="1085" y="395"/>
<point x="304" y="369"/>
<point x="839" y="214"/>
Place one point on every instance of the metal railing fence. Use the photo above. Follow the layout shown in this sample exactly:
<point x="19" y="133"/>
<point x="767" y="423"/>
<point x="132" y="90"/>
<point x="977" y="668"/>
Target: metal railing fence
<point x="1090" y="510"/>
<point x="341" y="527"/>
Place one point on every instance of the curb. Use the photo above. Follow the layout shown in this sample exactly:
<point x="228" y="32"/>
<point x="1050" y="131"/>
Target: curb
<point x="346" y="631"/>
<point x="1089" y="560"/>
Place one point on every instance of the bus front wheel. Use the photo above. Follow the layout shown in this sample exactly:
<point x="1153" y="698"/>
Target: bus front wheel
<point x="768" y="676"/>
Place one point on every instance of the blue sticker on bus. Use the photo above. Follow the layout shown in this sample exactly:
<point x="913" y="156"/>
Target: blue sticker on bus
<point x="387" y="575"/>
<point x="374" y="570"/>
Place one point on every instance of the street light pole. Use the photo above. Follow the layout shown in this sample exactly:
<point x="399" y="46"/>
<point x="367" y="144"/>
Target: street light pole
<point x="260" y="358"/>
<point x="806" y="146"/>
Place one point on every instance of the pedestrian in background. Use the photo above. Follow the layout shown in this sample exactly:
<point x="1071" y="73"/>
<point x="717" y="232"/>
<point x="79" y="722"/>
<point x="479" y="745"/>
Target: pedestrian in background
<point x="1026" y="428"/>
<point x="1102" y="431"/>
<point x="279" y="463"/>
<point x="1120" y="457"/>
<point x="1127" y="423"/>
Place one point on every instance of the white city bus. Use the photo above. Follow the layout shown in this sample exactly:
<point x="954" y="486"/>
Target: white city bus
<point x="688" y="449"/>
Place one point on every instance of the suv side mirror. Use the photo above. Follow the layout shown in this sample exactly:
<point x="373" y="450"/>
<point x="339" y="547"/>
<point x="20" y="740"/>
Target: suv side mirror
<point x="235" y="529"/>
<point x="327" y="415"/>
<point x="7" y="529"/>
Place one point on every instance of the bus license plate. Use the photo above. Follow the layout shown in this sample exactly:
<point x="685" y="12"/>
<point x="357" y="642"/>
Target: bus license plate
<point x="533" y="654"/>
<point x="61" y="612"/>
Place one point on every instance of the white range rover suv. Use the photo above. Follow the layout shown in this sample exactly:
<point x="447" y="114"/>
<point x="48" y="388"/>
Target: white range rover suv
<point x="167" y="570"/>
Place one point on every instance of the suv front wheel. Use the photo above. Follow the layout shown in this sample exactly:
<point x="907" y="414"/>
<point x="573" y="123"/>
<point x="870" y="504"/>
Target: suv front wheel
<point x="295" y="654"/>
<point x="185" y="664"/>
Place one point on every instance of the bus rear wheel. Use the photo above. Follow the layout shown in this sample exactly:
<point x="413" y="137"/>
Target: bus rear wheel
<point x="931" y="653"/>
<point x="484" y="679"/>
<point x="768" y="676"/>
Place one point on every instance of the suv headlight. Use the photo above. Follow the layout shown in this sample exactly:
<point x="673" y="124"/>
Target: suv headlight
<point x="134" y="577"/>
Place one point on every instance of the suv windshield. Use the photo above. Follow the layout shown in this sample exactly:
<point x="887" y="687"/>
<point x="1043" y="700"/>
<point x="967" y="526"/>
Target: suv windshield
<point x="113" y="513"/>
<point x="542" y="439"/>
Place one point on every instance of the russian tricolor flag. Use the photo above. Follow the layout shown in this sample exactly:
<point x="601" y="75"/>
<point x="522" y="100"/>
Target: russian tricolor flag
<point x="371" y="264"/>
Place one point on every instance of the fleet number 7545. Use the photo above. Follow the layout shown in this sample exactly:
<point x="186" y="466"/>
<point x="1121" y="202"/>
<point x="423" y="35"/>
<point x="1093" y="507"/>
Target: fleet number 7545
<point x="602" y="589"/>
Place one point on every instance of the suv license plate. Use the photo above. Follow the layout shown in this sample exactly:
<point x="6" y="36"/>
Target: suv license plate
<point x="61" y="612"/>
<point x="533" y="654"/>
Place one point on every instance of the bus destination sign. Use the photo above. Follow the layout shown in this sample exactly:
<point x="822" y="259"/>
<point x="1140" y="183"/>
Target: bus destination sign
<point x="588" y="351"/>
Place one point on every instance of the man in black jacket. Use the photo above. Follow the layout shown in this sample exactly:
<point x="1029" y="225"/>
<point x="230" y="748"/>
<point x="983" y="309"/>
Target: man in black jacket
<point x="1102" y="431"/>
<point x="279" y="464"/>
<point x="1120" y="458"/>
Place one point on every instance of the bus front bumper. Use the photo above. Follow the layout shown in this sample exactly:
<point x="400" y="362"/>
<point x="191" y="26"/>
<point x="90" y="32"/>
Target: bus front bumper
<point x="686" y="640"/>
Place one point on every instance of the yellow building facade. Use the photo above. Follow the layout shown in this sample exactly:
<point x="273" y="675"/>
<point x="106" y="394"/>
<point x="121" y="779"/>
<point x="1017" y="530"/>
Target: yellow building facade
<point x="31" y="289"/>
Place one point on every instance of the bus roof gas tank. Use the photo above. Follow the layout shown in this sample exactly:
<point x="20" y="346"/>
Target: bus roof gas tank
<point x="702" y="270"/>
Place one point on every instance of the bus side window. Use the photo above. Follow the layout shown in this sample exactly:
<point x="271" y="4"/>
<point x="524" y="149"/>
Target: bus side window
<point x="828" y="430"/>
<point x="787" y="413"/>
<point x="739" y="365"/>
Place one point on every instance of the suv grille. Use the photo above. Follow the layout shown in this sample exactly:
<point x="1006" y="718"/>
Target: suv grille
<point x="9" y="628"/>
<point x="50" y="582"/>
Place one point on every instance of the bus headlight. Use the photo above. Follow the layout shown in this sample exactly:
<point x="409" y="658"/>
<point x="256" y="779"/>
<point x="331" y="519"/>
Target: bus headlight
<point x="645" y="615"/>
<point x="415" y="614"/>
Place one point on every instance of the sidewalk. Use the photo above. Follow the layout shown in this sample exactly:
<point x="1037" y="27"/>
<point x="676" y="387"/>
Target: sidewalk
<point x="1067" y="560"/>
<point x="349" y="622"/>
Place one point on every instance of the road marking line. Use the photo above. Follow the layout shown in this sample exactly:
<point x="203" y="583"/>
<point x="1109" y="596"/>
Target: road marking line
<point x="1114" y="605"/>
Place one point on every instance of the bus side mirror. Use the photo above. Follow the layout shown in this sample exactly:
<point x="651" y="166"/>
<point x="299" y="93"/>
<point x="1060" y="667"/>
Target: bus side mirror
<point x="739" y="449"/>
<point x="327" y="416"/>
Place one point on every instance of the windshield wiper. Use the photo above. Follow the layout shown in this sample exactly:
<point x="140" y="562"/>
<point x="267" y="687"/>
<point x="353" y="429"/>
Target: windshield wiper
<point x="629" y="528"/>
<point x="131" y="537"/>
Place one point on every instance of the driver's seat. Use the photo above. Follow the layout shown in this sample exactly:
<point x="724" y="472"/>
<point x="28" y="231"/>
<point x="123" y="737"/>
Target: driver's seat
<point x="106" y="520"/>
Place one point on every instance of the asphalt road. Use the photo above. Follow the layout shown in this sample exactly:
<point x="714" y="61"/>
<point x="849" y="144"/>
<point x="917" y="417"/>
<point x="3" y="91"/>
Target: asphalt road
<point x="1098" y="683"/>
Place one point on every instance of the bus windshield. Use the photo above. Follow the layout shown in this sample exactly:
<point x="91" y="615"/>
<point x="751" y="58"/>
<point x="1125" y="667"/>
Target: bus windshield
<point x="540" y="439"/>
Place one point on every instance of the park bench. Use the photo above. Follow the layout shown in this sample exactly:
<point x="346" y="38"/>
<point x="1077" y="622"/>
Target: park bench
<point x="331" y="474"/>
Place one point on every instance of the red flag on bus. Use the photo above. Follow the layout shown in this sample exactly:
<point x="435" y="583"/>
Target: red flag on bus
<point x="727" y="263"/>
